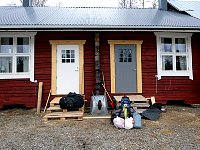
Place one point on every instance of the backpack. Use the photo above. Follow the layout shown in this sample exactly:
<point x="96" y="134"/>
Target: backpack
<point x="72" y="100"/>
<point x="125" y="101"/>
<point x="119" y="120"/>
<point x="120" y="113"/>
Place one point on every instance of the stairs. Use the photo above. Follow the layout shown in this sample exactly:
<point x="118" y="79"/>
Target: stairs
<point x="139" y="103"/>
<point x="54" y="112"/>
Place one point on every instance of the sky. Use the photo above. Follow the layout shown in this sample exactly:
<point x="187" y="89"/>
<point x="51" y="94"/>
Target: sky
<point x="69" y="3"/>
<point x="74" y="3"/>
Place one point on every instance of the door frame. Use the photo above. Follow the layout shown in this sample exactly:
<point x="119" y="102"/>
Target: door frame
<point x="54" y="44"/>
<point x="138" y="44"/>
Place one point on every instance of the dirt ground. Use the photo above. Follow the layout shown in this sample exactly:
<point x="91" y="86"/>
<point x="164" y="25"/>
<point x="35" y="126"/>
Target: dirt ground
<point x="177" y="129"/>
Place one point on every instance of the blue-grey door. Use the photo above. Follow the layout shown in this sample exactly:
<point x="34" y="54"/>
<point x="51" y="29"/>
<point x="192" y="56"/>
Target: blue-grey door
<point x="125" y="68"/>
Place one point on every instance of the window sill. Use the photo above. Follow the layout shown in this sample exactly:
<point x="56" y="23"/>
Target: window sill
<point x="16" y="76"/>
<point x="175" y="74"/>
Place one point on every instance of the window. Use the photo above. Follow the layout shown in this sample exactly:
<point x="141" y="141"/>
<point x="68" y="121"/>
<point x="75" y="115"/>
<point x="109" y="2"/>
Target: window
<point x="17" y="55"/>
<point x="68" y="56"/>
<point x="125" y="55"/>
<point x="174" y="56"/>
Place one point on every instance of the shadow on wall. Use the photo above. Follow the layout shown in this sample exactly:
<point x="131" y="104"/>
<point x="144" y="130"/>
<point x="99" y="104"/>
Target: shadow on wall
<point x="19" y="106"/>
<point x="176" y="102"/>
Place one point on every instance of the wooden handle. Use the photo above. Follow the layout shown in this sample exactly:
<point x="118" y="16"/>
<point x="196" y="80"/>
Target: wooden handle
<point x="47" y="100"/>
<point x="39" y="100"/>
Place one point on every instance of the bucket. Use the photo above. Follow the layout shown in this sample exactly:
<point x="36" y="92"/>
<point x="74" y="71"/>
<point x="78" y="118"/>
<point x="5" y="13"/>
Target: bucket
<point x="98" y="105"/>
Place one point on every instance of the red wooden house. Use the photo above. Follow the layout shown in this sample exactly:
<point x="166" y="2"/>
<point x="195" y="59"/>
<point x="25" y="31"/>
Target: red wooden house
<point x="153" y="52"/>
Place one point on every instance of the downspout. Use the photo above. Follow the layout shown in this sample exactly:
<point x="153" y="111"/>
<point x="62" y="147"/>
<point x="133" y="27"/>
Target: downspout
<point x="27" y="3"/>
<point x="97" y="64"/>
<point x="162" y="4"/>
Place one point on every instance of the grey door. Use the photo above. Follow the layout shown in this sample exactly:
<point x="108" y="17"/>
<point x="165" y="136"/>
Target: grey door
<point x="125" y="68"/>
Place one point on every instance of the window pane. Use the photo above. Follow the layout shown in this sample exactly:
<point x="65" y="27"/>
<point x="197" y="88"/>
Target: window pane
<point x="23" y="45"/>
<point x="63" y="60"/>
<point x="67" y="60"/>
<point x="180" y="45"/>
<point x="5" y="64"/>
<point x="23" y="64"/>
<point x="125" y="55"/>
<point x="166" y="44"/>
<point x="121" y="55"/>
<point x="167" y="63"/>
<point x="129" y="55"/>
<point x="68" y="55"/>
<point x="72" y="60"/>
<point x="181" y="63"/>
<point x="6" y="45"/>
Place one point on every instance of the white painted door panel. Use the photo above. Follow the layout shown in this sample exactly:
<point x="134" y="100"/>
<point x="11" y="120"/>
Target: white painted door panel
<point x="67" y="69"/>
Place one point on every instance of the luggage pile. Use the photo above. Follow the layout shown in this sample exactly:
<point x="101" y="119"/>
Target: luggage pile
<point x="126" y="117"/>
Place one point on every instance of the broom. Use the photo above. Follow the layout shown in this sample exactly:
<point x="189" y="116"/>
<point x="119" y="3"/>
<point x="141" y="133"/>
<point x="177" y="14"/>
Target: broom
<point x="47" y="100"/>
<point x="111" y="102"/>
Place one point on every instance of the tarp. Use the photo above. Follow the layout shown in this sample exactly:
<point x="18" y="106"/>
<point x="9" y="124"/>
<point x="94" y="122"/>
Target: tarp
<point x="153" y="112"/>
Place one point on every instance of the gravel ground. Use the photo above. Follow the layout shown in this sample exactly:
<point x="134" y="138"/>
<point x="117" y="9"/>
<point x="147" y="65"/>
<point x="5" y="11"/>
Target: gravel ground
<point x="177" y="129"/>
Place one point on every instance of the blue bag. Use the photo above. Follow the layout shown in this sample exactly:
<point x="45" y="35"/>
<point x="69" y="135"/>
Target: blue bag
<point x="137" y="120"/>
<point x="125" y="101"/>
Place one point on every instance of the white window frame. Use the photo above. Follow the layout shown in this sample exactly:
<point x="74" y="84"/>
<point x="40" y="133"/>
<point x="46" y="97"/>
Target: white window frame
<point x="174" y="72"/>
<point x="23" y="75"/>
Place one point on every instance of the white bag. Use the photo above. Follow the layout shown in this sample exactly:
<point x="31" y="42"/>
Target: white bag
<point x="129" y="123"/>
<point x="118" y="122"/>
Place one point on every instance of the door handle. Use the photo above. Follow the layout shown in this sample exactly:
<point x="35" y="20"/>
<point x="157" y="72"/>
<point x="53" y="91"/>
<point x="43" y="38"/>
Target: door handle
<point x="77" y="69"/>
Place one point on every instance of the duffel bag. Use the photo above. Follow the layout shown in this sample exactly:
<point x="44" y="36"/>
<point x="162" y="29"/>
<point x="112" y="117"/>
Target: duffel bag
<point x="72" y="100"/>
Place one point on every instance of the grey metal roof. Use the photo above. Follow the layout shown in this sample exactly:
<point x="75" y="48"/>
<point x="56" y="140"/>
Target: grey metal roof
<point x="93" y="18"/>
<point x="190" y="7"/>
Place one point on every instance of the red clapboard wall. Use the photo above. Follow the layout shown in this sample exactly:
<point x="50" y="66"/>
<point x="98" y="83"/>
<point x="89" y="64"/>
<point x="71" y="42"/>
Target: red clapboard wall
<point x="23" y="91"/>
<point x="43" y="59"/>
<point x="20" y="91"/>
<point x="168" y="88"/>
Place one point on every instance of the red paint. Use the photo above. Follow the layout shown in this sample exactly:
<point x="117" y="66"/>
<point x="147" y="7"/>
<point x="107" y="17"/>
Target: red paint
<point x="168" y="88"/>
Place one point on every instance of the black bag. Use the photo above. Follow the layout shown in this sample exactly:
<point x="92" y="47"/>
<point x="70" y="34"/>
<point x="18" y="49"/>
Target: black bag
<point x="72" y="100"/>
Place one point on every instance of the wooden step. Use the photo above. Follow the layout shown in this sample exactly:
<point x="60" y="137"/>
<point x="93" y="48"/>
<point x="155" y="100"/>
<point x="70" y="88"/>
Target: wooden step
<point x="56" y="113"/>
<point x="139" y="103"/>
<point x="55" y="101"/>
<point x="134" y="98"/>
<point x="72" y="115"/>
<point x="139" y="110"/>
<point x="97" y="117"/>
<point x="56" y="108"/>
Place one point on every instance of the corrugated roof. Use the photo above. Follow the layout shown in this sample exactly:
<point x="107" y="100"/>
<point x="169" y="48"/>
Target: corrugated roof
<point x="96" y="18"/>
<point x="190" y="7"/>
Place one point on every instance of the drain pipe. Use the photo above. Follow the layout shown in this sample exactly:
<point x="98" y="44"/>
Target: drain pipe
<point x="97" y="64"/>
<point x="98" y="103"/>
<point x="27" y="3"/>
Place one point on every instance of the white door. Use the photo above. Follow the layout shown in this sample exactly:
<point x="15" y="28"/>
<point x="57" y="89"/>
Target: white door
<point x="67" y="69"/>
